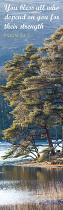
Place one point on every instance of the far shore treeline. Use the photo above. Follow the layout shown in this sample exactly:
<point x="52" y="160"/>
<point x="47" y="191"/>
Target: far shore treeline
<point x="33" y="94"/>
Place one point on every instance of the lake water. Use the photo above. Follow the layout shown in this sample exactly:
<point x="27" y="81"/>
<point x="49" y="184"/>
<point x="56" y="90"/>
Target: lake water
<point x="24" y="185"/>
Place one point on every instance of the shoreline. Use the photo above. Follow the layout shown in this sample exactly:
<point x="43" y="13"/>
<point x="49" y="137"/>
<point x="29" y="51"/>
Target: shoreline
<point x="38" y="165"/>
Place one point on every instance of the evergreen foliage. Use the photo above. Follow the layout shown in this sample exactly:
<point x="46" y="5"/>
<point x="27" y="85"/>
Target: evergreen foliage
<point x="34" y="87"/>
<point x="53" y="65"/>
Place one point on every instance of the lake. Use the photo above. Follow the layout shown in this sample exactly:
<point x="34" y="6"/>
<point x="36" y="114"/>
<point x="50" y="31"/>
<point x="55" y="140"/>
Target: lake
<point x="28" y="185"/>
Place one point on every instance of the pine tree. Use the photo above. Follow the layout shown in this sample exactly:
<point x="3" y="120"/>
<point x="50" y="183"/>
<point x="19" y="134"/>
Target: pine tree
<point x="21" y="67"/>
<point x="52" y="62"/>
<point x="35" y="89"/>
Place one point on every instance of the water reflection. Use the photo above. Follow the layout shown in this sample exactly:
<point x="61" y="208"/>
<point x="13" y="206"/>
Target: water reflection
<point x="30" y="173"/>
<point x="24" y="185"/>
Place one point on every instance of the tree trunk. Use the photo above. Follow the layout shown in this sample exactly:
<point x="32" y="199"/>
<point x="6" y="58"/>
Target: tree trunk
<point x="62" y="138"/>
<point x="49" y="139"/>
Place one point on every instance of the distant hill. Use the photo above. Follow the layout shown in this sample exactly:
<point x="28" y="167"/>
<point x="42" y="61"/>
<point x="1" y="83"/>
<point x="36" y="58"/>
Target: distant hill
<point x="5" y="118"/>
<point x="3" y="76"/>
